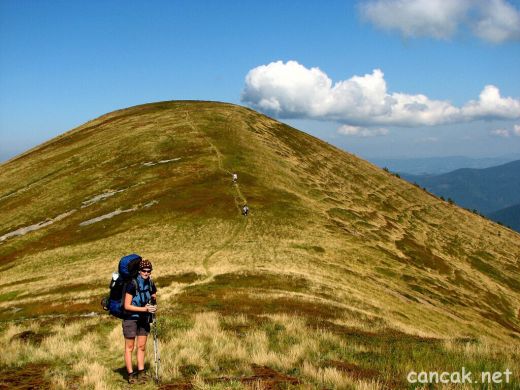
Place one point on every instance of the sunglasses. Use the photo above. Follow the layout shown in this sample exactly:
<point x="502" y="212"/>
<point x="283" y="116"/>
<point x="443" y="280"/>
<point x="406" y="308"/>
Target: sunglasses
<point x="148" y="271"/>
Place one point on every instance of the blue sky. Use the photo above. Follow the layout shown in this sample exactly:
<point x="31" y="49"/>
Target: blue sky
<point x="63" y="63"/>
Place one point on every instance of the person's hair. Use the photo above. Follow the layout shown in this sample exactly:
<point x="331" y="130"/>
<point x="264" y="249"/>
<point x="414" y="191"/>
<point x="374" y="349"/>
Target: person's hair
<point x="145" y="264"/>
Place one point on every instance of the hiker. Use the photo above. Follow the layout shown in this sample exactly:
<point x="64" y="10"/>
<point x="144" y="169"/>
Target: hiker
<point x="245" y="210"/>
<point x="235" y="177"/>
<point x="136" y="324"/>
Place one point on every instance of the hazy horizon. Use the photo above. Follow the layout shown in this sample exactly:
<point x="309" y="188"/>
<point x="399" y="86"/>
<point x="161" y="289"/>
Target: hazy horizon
<point x="10" y="151"/>
<point x="432" y="79"/>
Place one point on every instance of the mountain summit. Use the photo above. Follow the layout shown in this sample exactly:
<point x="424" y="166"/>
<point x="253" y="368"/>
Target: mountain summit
<point x="332" y="243"/>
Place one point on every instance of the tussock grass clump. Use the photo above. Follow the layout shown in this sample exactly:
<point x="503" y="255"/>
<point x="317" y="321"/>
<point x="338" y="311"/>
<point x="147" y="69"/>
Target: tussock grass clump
<point x="215" y="351"/>
<point x="341" y="276"/>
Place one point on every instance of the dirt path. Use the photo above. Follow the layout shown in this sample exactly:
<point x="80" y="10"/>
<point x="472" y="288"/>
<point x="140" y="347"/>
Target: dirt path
<point x="239" y="199"/>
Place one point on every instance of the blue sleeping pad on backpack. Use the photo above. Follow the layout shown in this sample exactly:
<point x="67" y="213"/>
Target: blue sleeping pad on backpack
<point x="128" y="266"/>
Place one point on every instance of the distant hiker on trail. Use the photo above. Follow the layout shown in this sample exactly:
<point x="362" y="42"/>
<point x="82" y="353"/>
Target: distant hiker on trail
<point x="139" y="293"/>
<point x="245" y="210"/>
<point x="235" y="177"/>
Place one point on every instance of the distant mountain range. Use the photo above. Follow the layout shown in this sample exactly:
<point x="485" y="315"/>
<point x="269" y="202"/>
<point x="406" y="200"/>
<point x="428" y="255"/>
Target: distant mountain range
<point x="510" y="216"/>
<point x="494" y="192"/>
<point x="340" y="268"/>
<point x="440" y="165"/>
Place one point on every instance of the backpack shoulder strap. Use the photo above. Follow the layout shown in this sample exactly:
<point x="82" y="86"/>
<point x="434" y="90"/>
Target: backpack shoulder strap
<point x="140" y="293"/>
<point x="136" y="285"/>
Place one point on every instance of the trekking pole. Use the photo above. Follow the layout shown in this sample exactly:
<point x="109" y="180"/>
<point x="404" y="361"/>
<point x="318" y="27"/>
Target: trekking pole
<point x="156" y="345"/>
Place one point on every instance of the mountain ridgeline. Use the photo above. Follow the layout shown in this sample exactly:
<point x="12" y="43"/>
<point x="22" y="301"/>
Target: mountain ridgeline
<point x="486" y="190"/>
<point x="430" y="166"/>
<point x="509" y="216"/>
<point x="330" y="238"/>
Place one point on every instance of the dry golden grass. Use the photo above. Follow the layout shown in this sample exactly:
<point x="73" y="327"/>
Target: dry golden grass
<point x="343" y="256"/>
<point x="204" y="347"/>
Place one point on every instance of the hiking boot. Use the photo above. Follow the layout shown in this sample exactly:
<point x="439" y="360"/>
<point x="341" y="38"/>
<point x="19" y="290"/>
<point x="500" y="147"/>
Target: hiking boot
<point x="132" y="378"/>
<point x="142" y="376"/>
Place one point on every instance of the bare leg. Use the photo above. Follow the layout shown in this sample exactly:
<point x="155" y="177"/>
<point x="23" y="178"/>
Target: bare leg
<point x="141" y="349"/>
<point x="129" y="348"/>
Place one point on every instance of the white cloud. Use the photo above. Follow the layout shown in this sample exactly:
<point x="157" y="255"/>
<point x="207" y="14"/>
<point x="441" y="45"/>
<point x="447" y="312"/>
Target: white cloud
<point x="516" y="130"/>
<point x="491" y="105"/>
<point x="500" y="133"/>
<point x="499" y="22"/>
<point x="290" y="90"/>
<point x="414" y="18"/>
<point x="492" y="20"/>
<point x="362" y="131"/>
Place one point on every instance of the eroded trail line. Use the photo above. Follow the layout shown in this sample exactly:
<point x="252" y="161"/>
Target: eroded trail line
<point x="225" y="244"/>
<point x="219" y="156"/>
<point x="239" y="199"/>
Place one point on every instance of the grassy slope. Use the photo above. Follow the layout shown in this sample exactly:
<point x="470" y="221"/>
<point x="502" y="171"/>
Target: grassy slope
<point x="332" y="243"/>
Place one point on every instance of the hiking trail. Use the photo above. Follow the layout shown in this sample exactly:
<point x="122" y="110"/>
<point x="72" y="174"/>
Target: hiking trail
<point x="239" y="199"/>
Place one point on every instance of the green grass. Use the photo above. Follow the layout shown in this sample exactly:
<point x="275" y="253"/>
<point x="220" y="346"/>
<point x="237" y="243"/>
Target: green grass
<point x="384" y="357"/>
<point x="342" y="276"/>
<point x="6" y="297"/>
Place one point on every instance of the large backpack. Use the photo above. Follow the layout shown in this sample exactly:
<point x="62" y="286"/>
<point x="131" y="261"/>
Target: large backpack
<point x="128" y="269"/>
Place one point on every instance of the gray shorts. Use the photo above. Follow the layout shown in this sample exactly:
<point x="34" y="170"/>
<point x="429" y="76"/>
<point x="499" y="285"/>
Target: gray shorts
<point x="133" y="328"/>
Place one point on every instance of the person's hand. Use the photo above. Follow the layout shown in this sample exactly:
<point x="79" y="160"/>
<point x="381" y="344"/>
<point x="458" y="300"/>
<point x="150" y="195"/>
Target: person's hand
<point x="151" y="308"/>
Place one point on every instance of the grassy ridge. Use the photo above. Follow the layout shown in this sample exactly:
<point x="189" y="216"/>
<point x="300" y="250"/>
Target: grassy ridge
<point x="342" y="271"/>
